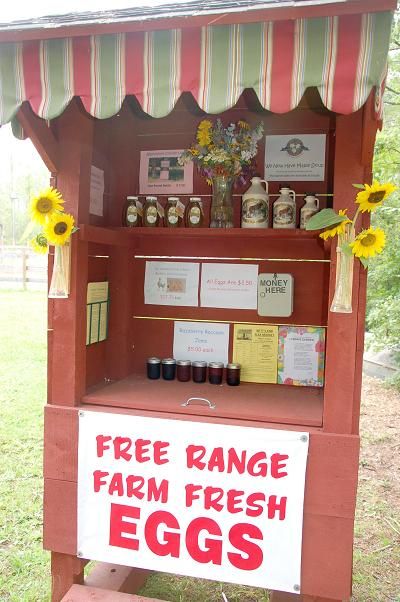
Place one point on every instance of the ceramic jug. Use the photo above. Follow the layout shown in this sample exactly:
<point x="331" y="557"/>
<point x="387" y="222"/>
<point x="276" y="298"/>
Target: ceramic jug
<point x="285" y="209"/>
<point x="255" y="205"/>
<point x="310" y="208"/>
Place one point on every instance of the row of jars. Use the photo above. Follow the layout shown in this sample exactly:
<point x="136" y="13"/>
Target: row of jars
<point x="186" y="370"/>
<point x="255" y="210"/>
<point x="175" y="214"/>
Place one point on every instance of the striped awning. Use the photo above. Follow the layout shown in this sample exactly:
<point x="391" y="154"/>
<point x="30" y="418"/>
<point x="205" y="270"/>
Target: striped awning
<point x="344" y="57"/>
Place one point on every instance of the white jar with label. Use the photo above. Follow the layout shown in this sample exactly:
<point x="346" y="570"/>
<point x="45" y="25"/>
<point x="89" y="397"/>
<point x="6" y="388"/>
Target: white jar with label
<point x="284" y="211"/>
<point x="255" y="205"/>
<point x="310" y="208"/>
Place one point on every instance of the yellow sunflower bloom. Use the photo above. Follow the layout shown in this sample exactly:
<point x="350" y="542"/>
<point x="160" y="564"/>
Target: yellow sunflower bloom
<point x="338" y="229"/>
<point x="59" y="228"/>
<point x="39" y="244"/>
<point x="243" y="125"/>
<point x="373" y="196"/>
<point x="369" y="243"/>
<point x="45" y="205"/>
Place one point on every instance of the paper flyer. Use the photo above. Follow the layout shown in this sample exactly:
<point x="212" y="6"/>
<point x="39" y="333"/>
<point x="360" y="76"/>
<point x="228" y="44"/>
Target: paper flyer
<point x="171" y="283"/>
<point x="96" y="312"/>
<point x="301" y="356"/>
<point x="201" y="341"/>
<point x="228" y="285"/>
<point x="255" y="347"/>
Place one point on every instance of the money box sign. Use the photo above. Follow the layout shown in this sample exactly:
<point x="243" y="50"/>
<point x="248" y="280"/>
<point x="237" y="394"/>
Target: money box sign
<point x="204" y="500"/>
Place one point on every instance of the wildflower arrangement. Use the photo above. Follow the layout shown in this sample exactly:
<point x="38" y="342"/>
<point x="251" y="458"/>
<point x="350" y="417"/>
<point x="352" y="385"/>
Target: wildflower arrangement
<point x="365" y="244"/>
<point x="56" y="226"/>
<point x="223" y="151"/>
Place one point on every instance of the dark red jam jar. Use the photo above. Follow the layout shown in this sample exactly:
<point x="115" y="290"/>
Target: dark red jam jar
<point x="183" y="370"/>
<point x="215" y="373"/>
<point x="199" y="371"/>
<point x="168" y="368"/>
<point x="233" y="374"/>
<point x="153" y="368"/>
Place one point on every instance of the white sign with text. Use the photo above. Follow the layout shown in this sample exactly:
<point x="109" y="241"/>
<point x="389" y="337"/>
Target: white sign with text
<point x="295" y="158"/>
<point x="204" y="341"/>
<point x="199" y="499"/>
<point x="229" y="285"/>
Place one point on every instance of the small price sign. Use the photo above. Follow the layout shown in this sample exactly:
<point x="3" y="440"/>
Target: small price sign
<point x="275" y="295"/>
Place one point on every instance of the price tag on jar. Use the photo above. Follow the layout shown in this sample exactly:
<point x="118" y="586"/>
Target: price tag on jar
<point x="275" y="295"/>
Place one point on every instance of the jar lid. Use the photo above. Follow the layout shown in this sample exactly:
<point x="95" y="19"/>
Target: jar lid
<point x="195" y="198"/>
<point x="233" y="366"/>
<point x="199" y="364"/>
<point x="132" y="198"/>
<point x="183" y="362"/>
<point x="168" y="360"/>
<point x="173" y="198"/>
<point x="151" y="198"/>
<point x="153" y="360"/>
<point x="216" y="365"/>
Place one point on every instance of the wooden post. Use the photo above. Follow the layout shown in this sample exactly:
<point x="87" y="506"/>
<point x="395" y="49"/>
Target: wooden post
<point x="65" y="571"/>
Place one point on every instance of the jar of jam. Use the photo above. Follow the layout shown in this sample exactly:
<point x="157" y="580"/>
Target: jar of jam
<point x="168" y="368"/>
<point x="199" y="371"/>
<point x="150" y="212"/>
<point x="233" y="374"/>
<point x="173" y="212"/>
<point x="183" y="370"/>
<point x="215" y="372"/>
<point x="153" y="368"/>
<point x="133" y="212"/>
<point x="194" y="213"/>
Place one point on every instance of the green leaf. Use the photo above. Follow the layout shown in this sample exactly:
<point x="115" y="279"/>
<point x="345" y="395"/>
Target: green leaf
<point x="360" y="186"/>
<point x="346" y="249"/>
<point x="364" y="261"/>
<point x="325" y="219"/>
<point x="28" y="231"/>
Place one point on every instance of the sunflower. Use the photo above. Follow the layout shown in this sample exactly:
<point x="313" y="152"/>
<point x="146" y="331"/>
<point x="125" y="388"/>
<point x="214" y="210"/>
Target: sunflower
<point x="46" y="204"/>
<point x="338" y="229"/>
<point x="39" y="244"/>
<point x="368" y="243"/>
<point x="59" y="228"/>
<point x="203" y="132"/>
<point x="373" y="196"/>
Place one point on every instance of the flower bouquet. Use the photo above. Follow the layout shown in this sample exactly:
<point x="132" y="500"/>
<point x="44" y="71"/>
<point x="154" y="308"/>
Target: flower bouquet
<point x="364" y="245"/>
<point x="56" y="227"/>
<point x="223" y="155"/>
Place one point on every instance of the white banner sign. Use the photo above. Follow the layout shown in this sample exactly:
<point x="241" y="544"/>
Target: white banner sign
<point x="198" y="499"/>
<point x="295" y="157"/>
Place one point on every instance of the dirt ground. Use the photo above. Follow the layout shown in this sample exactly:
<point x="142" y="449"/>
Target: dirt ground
<point x="377" y="531"/>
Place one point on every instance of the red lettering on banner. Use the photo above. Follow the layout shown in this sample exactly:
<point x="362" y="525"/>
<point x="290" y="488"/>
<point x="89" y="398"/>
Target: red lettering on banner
<point x="122" y="445"/>
<point x="98" y="479"/>
<point x="277" y="466"/>
<point x="256" y="467"/>
<point x="253" y="508"/>
<point x="157" y="493"/>
<point x="119" y="526"/>
<point x="134" y="486"/>
<point x="142" y="448"/>
<point x="253" y="552"/>
<point x="170" y="545"/>
<point x="194" y="455"/>
<point x="212" y="497"/>
<point x="100" y="444"/>
<point x="116" y="485"/>
<point x="159" y="452"/>
<point x="234" y="498"/>
<point x="274" y="506"/>
<point x="213" y="547"/>
<point x="235" y="461"/>
<point x="217" y="460"/>
<point x="191" y="493"/>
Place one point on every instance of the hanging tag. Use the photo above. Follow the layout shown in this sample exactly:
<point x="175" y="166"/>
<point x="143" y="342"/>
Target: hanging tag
<point x="275" y="295"/>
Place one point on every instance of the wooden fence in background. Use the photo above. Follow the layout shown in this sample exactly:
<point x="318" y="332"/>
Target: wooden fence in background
<point x="22" y="268"/>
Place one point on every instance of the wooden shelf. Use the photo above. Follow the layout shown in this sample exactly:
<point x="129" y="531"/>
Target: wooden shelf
<point x="229" y="233"/>
<point x="281" y="404"/>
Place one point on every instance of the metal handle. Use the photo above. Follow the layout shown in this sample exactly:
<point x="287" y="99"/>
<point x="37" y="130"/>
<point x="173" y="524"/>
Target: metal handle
<point x="210" y="404"/>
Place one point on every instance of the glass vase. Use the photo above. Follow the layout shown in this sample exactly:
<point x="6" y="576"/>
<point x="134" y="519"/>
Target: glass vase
<point x="342" y="299"/>
<point x="60" y="278"/>
<point x="221" y="214"/>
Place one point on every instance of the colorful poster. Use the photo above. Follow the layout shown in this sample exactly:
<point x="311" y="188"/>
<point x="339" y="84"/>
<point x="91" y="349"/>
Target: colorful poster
<point x="192" y="498"/>
<point x="229" y="285"/>
<point x="171" y="283"/>
<point x="201" y="341"/>
<point x="301" y="356"/>
<point x="255" y="347"/>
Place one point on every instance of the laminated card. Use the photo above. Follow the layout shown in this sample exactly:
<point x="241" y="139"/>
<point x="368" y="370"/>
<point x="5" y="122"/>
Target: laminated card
<point x="301" y="356"/>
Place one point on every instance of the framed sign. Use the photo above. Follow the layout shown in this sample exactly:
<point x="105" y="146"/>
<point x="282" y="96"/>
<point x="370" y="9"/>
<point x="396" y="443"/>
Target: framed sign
<point x="160" y="173"/>
<point x="198" y="499"/>
<point x="295" y="157"/>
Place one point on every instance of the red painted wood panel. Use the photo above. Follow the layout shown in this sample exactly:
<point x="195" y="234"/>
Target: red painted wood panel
<point x="83" y="593"/>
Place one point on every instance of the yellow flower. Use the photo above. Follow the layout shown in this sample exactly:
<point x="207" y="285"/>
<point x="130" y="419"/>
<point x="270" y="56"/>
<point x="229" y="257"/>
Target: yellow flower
<point x="369" y="243"/>
<point x="46" y="204"/>
<point x="243" y="125"/>
<point x="203" y="132"/>
<point x="39" y="244"/>
<point x="338" y="229"/>
<point x="59" y="228"/>
<point x="373" y="196"/>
